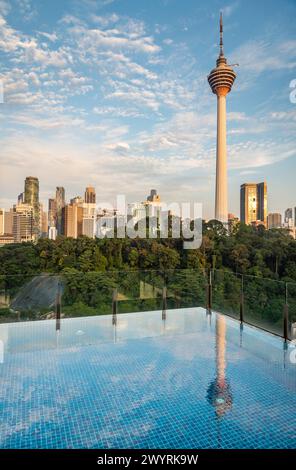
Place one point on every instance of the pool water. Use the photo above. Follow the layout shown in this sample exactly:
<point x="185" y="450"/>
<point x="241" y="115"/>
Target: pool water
<point x="193" y="380"/>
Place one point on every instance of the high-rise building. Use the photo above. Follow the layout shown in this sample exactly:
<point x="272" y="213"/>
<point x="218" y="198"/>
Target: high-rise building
<point x="2" y="221"/>
<point x="8" y="221"/>
<point x="73" y="218"/>
<point x="89" y="212"/>
<point x="44" y="224"/>
<point x="90" y="195"/>
<point x="60" y="204"/>
<point x="88" y="219"/>
<point x="153" y="196"/>
<point x="23" y="225"/>
<point x="288" y="214"/>
<point x="288" y="218"/>
<point x="52" y="213"/>
<point x="262" y="202"/>
<point x="274" y="220"/>
<point x="20" y="198"/>
<point x="31" y="197"/>
<point x="253" y="203"/>
<point x="221" y="80"/>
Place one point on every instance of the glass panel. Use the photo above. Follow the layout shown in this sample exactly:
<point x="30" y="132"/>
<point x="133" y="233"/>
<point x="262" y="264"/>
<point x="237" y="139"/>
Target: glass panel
<point x="226" y="292"/>
<point x="264" y="301"/>
<point x="291" y="291"/>
<point x="86" y="294"/>
<point x="24" y="298"/>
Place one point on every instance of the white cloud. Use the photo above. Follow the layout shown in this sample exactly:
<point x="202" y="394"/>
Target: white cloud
<point x="260" y="55"/>
<point x="51" y="36"/>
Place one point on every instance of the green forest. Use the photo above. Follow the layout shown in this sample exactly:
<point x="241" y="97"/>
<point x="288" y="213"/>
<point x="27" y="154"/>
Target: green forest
<point x="259" y="262"/>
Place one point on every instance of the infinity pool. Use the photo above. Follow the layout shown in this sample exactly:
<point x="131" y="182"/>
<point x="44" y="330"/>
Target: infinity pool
<point x="190" y="381"/>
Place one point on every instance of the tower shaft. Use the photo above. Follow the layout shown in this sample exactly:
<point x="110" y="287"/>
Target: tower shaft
<point x="221" y="196"/>
<point x="221" y="80"/>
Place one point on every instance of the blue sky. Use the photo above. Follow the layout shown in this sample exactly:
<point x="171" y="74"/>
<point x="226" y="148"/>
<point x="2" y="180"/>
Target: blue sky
<point x="115" y="94"/>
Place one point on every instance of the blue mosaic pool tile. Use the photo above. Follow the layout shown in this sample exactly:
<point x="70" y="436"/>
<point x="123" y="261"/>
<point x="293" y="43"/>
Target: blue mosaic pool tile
<point x="196" y="384"/>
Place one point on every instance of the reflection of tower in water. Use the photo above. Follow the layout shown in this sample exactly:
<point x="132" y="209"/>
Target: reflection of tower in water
<point x="219" y="392"/>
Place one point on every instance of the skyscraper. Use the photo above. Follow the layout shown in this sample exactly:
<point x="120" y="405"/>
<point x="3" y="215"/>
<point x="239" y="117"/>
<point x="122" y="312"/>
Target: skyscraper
<point x="8" y="221"/>
<point x="221" y="80"/>
<point x="274" y="220"/>
<point x="52" y="213"/>
<point x="2" y="220"/>
<point x="90" y="195"/>
<point x="153" y="196"/>
<point x="73" y="218"/>
<point x="262" y="202"/>
<point x="23" y="225"/>
<point x="60" y="204"/>
<point x="31" y="197"/>
<point x="288" y="218"/>
<point x="253" y="203"/>
<point x="288" y="214"/>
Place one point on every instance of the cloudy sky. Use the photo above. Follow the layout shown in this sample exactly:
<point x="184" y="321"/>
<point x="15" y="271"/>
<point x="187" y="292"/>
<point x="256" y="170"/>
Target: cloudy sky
<point x="114" y="93"/>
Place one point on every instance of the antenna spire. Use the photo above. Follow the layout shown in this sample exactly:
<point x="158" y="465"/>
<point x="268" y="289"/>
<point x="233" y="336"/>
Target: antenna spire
<point x="221" y="35"/>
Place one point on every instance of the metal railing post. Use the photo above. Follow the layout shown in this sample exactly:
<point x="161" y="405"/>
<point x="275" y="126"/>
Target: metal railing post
<point x="286" y="314"/>
<point x="241" y="306"/>
<point x="114" y="307"/>
<point x="58" y="308"/>
<point x="164" y="303"/>
<point x="209" y="292"/>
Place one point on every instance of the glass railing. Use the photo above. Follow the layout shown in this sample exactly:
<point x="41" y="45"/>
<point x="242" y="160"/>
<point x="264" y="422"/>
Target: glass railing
<point x="226" y="292"/>
<point x="76" y="294"/>
<point x="291" y="302"/>
<point x="264" y="303"/>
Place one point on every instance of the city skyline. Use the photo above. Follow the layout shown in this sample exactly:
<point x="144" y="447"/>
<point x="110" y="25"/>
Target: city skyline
<point x="132" y="108"/>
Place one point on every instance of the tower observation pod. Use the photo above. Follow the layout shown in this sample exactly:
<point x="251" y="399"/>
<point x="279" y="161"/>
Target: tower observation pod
<point x="221" y="80"/>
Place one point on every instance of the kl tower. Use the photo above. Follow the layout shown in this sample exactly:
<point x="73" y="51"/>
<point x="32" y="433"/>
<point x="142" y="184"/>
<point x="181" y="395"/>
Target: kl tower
<point x="221" y="80"/>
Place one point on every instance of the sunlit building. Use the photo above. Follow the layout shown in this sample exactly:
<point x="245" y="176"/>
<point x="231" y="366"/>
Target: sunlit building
<point x="253" y="203"/>
<point x="23" y="226"/>
<point x="90" y="195"/>
<point x="73" y="218"/>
